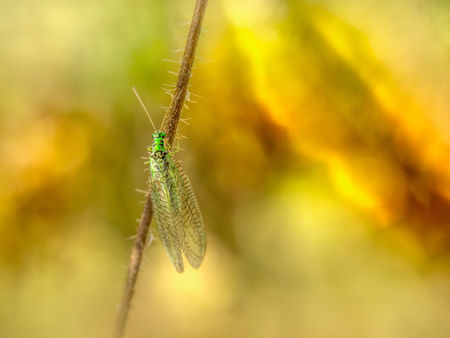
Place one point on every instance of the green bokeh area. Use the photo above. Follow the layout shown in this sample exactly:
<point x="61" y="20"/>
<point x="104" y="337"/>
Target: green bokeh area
<point x="315" y="142"/>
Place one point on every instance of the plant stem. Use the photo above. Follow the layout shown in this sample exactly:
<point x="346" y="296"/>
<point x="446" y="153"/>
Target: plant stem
<point x="170" y="127"/>
<point x="184" y="74"/>
<point x="134" y="265"/>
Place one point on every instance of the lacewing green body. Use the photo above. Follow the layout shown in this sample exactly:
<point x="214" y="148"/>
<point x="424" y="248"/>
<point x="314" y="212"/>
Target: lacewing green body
<point x="177" y="214"/>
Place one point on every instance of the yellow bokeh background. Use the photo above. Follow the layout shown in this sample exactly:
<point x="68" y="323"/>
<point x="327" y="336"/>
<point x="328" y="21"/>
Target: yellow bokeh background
<point x="318" y="144"/>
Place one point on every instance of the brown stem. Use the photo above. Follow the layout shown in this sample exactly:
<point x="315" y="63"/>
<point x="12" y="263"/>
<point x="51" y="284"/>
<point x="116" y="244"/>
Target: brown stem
<point x="133" y="266"/>
<point x="170" y="127"/>
<point x="185" y="71"/>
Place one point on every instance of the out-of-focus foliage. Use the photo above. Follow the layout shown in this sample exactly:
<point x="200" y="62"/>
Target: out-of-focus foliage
<point x="319" y="150"/>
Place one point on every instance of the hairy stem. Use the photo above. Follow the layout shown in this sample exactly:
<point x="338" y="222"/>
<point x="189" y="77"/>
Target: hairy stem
<point x="134" y="265"/>
<point x="184" y="74"/>
<point x="170" y="127"/>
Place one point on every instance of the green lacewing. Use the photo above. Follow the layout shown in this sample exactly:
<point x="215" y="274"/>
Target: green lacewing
<point x="177" y="214"/>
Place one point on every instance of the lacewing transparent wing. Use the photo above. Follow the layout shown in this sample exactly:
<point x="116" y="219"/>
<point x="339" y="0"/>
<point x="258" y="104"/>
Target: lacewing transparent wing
<point x="177" y="214"/>
<point x="193" y="227"/>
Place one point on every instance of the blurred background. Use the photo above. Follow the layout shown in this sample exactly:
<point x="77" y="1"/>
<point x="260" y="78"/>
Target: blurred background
<point x="319" y="149"/>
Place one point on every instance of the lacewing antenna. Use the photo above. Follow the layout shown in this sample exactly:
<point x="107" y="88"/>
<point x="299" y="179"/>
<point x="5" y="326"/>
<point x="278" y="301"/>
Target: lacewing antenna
<point x="143" y="106"/>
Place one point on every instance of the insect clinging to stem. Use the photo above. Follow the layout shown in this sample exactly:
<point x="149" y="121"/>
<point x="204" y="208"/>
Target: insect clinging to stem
<point x="177" y="214"/>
